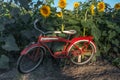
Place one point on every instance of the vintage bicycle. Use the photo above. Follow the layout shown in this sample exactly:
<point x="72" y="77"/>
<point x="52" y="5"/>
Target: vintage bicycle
<point x="79" y="50"/>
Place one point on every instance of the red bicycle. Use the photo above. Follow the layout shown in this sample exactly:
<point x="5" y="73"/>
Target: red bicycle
<point x="80" y="50"/>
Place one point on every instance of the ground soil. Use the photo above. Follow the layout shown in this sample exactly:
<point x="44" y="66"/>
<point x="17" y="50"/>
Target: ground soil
<point x="49" y="70"/>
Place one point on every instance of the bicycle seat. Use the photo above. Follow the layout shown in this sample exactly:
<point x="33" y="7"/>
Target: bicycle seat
<point x="71" y="32"/>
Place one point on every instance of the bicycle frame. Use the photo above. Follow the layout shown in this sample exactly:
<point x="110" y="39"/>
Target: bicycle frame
<point x="79" y="50"/>
<point x="68" y="43"/>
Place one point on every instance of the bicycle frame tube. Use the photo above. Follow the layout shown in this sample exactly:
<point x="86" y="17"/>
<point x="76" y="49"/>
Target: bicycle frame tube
<point x="41" y="43"/>
<point x="24" y="51"/>
<point x="52" y="39"/>
<point x="42" y="40"/>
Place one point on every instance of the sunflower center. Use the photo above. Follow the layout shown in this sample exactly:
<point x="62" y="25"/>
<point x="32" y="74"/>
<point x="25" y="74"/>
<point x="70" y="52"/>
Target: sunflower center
<point x="62" y="3"/>
<point x="101" y="6"/>
<point x="76" y="5"/>
<point x="45" y="11"/>
<point x="118" y="6"/>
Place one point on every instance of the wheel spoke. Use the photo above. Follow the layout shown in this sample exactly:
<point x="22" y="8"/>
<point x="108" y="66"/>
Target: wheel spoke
<point x="30" y="61"/>
<point x="81" y="52"/>
<point x="79" y="58"/>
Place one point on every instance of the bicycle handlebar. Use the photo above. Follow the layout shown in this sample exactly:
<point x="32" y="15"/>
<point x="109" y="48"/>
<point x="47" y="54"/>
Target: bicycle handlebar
<point x="50" y="32"/>
<point x="35" y="26"/>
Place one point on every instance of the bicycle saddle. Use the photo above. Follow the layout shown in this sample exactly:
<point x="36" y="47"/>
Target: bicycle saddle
<point x="71" y="32"/>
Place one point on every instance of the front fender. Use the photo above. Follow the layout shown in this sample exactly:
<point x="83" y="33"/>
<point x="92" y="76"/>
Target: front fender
<point x="25" y="50"/>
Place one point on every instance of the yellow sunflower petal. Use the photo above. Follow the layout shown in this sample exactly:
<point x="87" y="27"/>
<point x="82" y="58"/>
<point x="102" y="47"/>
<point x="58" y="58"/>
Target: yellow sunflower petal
<point x="92" y="9"/>
<point x="101" y="7"/>
<point x="76" y="4"/>
<point x="62" y="4"/>
<point x="117" y="6"/>
<point x="45" y="10"/>
<point x="59" y="14"/>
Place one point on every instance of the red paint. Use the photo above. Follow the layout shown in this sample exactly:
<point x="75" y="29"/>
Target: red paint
<point x="62" y="54"/>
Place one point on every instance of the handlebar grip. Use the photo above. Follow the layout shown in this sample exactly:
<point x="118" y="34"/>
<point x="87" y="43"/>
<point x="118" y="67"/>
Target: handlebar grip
<point x="36" y="21"/>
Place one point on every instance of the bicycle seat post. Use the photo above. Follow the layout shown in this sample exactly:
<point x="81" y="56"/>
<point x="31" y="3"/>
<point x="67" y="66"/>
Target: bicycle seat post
<point x="69" y="36"/>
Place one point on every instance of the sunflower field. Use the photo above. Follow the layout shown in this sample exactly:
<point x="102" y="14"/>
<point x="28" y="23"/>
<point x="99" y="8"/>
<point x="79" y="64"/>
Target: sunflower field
<point x="93" y="17"/>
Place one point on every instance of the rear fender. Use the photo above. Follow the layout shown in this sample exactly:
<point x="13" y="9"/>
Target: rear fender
<point x="25" y="50"/>
<point x="87" y="38"/>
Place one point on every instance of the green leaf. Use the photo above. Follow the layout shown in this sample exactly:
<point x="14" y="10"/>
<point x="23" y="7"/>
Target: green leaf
<point x="10" y="44"/>
<point x="116" y="42"/>
<point x="84" y="23"/>
<point x="15" y="11"/>
<point x="50" y="1"/>
<point x="1" y="39"/>
<point x="25" y="18"/>
<point x="117" y="28"/>
<point x="4" y="62"/>
<point x="99" y="20"/>
<point x="27" y="33"/>
<point x="111" y="34"/>
<point x="1" y="27"/>
<point x="116" y="49"/>
<point x="71" y="21"/>
<point x="104" y="33"/>
<point x="106" y="47"/>
<point x="11" y="21"/>
<point x="96" y="33"/>
<point x="24" y="3"/>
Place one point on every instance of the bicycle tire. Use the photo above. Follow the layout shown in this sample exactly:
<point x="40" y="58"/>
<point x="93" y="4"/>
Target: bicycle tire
<point x="81" y="60"/>
<point x="27" y="60"/>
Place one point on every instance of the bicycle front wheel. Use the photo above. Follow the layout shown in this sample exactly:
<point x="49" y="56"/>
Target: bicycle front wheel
<point x="81" y="52"/>
<point x="31" y="60"/>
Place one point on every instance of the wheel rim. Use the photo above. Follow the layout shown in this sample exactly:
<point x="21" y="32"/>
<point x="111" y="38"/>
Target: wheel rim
<point x="31" y="60"/>
<point x="82" y="54"/>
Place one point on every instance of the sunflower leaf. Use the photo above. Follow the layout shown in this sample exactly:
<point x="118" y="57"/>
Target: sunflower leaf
<point x="10" y="44"/>
<point x="1" y="27"/>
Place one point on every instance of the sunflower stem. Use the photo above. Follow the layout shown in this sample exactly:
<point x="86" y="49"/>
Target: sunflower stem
<point x="84" y="29"/>
<point x="62" y="28"/>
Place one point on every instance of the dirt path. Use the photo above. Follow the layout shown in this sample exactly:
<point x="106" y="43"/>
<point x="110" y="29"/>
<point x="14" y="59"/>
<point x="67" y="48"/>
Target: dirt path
<point x="48" y="71"/>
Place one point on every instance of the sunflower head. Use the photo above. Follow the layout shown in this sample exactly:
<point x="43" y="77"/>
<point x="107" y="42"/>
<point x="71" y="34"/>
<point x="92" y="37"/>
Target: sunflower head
<point x="59" y="14"/>
<point x="62" y="4"/>
<point x="101" y="6"/>
<point x="92" y="9"/>
<point x="76" y="4"/>
<point x="117" y="6"/>
<point x="45" y="10"/>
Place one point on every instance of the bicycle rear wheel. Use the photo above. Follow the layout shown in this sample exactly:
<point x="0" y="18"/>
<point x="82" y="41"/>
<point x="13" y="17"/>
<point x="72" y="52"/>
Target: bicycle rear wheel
<point x="81" y="52"/>
<point x="31" y="60"/>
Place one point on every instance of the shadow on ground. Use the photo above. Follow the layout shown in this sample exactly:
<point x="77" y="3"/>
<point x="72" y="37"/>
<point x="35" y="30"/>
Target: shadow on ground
<point x="101" y="70"/>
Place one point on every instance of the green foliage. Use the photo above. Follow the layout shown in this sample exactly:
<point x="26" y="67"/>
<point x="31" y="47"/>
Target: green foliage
<point x="4" y="62"/>
<point x="1" y="27"/>
<point x="10" y="44"/>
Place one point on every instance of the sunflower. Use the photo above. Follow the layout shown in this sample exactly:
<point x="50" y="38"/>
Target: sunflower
<point x="62" y="4"/>
<point x="101" y="7"/>
<point x="59" y="14"/>
<point x="76" y="4"/>
<point x="45" y="10"/>
<point x="117" y="6"/>
<point x="92" y="9"/>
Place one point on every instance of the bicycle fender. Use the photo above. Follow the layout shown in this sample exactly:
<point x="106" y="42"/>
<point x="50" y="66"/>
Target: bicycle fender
<point x="87" y="38"/>
<point x="25" y="50"/>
